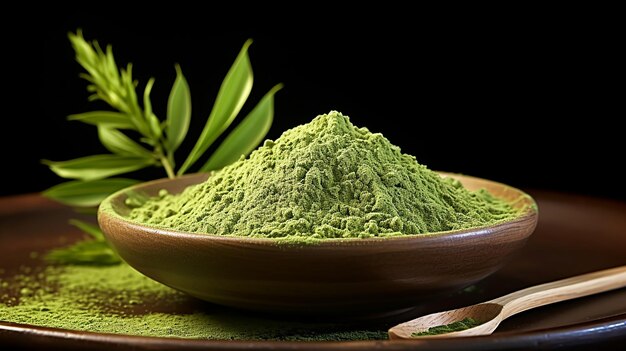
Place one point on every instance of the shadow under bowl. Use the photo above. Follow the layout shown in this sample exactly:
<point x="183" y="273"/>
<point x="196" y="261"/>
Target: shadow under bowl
<point x="357" y="277"/>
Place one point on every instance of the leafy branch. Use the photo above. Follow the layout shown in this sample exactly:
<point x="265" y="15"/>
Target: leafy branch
<point x="154" y="140"/>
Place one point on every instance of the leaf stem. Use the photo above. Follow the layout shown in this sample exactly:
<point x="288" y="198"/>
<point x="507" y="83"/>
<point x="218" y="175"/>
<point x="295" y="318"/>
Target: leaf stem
<point x="166" y="162"/>
<point x="167" y="165"/>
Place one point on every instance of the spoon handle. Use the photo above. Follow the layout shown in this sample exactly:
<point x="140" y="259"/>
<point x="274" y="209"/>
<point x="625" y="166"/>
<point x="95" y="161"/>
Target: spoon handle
<point x="561" y="290"/>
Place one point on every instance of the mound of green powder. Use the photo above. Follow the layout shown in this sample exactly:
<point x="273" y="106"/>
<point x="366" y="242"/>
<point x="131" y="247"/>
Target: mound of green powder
<point x="117" y="299"/>
<point x="325" y="179"/>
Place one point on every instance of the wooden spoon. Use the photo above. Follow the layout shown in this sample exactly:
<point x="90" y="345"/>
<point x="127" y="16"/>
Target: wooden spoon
<point x="491" y="313"/>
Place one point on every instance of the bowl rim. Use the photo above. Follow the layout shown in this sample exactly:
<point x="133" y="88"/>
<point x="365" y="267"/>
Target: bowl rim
<point x="106" y="210"/>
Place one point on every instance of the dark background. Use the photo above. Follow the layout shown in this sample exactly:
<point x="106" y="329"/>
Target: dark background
<point x="531" y="102"/>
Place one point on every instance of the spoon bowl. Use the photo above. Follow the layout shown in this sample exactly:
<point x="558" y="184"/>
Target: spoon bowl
<point x="358" y="277"/>
<point x="489" y="315"/>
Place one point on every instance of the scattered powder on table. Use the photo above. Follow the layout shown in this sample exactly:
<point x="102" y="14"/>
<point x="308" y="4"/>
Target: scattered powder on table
<point x="325" y="179"/>
<point x="117" y="299"/>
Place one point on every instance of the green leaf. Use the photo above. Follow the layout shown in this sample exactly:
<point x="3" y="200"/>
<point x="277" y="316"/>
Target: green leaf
<point x="247" y="135"/>
<point x="98" y="166"/>
<point x="155" y="126"/>
<point x="178" y="111"/>
<point x="104" y="118"/>
<point x="153" y="121"/>
<point x="85" y="54"/>
<point x="118" y="143"/>
<point x="88" y="228"/>
<point x="109" y="61"/>
<point x="85" y="252"/>
<point x="86" y="194"/>
<point x="230" y="98"/>
<point x="147" y="104"/>
<point x="127" y="101"/>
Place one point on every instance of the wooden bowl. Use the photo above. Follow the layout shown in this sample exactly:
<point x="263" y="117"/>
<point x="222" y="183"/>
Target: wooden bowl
<point x="364" y="277"/>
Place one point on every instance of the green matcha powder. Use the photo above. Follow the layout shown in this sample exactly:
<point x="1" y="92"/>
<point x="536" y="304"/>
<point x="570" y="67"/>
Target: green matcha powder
<point x="117" y="299"/>
<point x="464" y="324"/>
<point x="322" y="180"/>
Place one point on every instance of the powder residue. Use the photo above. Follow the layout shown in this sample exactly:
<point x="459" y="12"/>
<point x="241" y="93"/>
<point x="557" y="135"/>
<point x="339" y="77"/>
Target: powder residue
<point x="325" y="179"/>
<point x="119" y="300"/>
<point x="465" y="323"/>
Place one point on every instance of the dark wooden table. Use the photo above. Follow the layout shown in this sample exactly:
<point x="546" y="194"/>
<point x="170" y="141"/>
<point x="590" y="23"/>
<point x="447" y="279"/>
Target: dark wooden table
<point x="575" y="235"/>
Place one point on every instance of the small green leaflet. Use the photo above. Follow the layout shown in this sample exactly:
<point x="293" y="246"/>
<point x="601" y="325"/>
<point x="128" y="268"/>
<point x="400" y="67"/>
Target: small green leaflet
<point x="86" y="194"/>
<point x="85" y="252"/>
<point x="130" y="104"/>
<point x="153" y="121"/>
<point x="247" y="135"/>
<point x="118" y="143"/>
<point x="95" y="251"/>
<point x="104" y="118"/>
<point x="178" y="111"/>
<point x="98" y="166"/>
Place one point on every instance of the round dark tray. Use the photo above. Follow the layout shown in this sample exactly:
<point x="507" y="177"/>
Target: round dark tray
<point x="575" y="235"/>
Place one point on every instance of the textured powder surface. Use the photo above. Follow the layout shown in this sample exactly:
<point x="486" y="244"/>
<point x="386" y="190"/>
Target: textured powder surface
<point x="325" y="179"/>
<point x="117" y="299"/>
